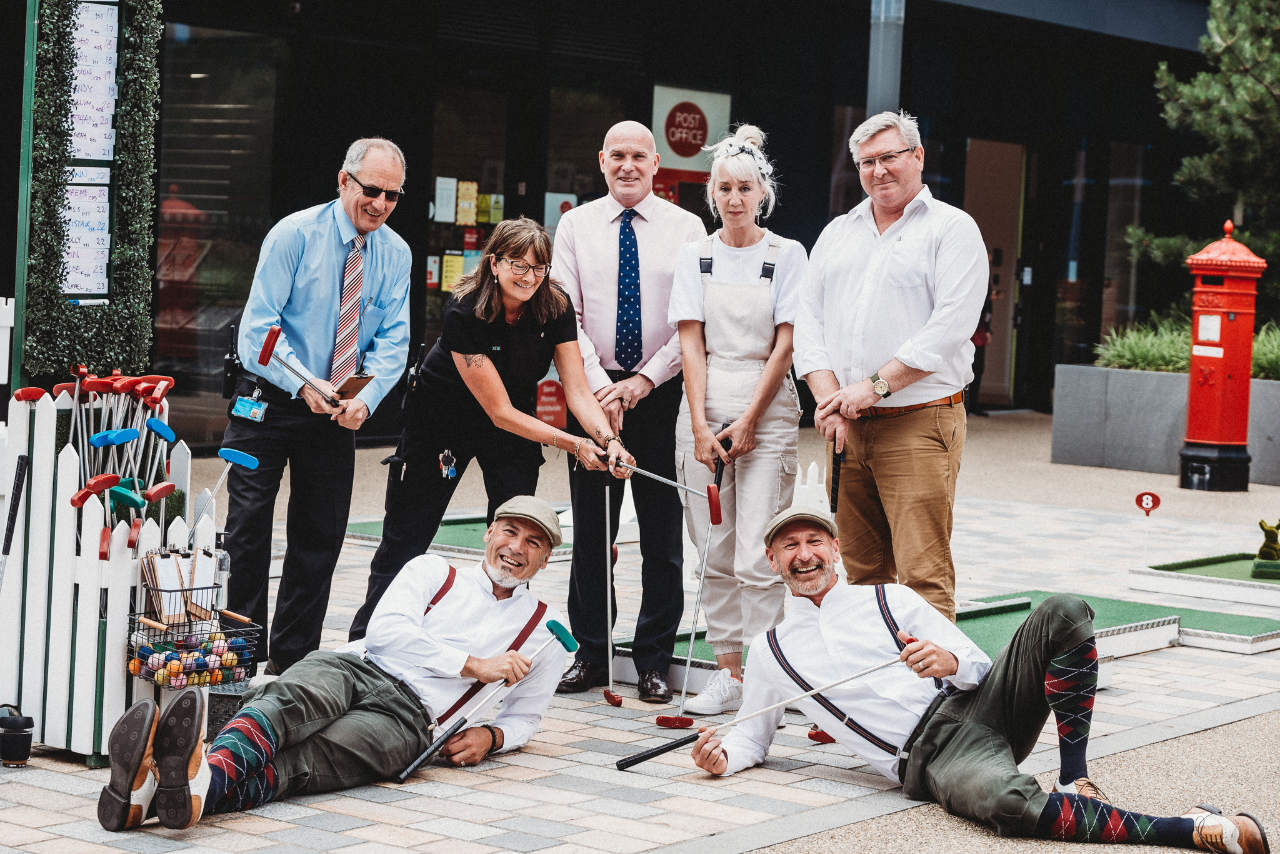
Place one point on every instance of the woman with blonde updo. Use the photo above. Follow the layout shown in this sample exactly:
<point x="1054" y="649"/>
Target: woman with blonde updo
<point x="733" y="299"/>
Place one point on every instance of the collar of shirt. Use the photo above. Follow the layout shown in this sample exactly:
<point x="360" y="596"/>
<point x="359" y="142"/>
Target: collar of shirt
<point x="643" y="208"/>
<point x="862" y="211"/>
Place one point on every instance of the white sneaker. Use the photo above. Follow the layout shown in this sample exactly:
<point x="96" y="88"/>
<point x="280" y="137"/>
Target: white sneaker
<point x="722" y="693"/>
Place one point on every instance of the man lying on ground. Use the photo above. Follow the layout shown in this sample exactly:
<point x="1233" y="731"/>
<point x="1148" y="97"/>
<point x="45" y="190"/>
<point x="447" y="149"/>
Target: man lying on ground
<point x="339" y="719"/>
<point x="950" y="726"/>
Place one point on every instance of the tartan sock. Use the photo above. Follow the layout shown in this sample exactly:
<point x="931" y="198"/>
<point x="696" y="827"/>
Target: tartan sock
<point x="241" y="773"/>
<point x="1074" y="818"/>
<point x="1070" y="681"/>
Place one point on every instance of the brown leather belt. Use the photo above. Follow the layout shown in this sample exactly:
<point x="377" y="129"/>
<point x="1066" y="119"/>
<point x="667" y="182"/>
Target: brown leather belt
<point x="882" y="411"/>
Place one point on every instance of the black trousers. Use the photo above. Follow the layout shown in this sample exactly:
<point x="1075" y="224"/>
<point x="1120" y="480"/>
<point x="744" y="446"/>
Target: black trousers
<point x="418" y="494"/>
<point x="321" y="459"/>
<point x="649" y="432"/>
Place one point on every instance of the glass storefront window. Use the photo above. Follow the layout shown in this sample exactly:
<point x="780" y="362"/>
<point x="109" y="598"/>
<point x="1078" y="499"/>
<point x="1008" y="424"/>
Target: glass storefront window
<point x="216" y="126"/>
<point x="1124" y="208"/>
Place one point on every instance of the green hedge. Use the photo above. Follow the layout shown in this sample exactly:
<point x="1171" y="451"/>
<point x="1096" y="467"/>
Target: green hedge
<point x="117" y="335"/>
<point x="1164" y="344"/>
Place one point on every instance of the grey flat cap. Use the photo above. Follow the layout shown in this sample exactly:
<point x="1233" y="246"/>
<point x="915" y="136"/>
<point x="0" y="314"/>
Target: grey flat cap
<point x="795" y="512"/>
<point x="534" y="510"/>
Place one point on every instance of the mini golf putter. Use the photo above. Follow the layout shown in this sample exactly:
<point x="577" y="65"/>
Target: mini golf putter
<point x="680" y="720"/>
<point x="610" y="696"/>
<point x="821" y="736"/>
<point x="269" y="352"/>
<point x="558" y="633"/>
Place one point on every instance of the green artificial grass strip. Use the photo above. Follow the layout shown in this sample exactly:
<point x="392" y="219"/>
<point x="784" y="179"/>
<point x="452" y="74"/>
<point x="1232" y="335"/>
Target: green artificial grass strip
<point x="991" y="632"/>
<point x="1235" y="567"/>
<point x="457" y="533"/>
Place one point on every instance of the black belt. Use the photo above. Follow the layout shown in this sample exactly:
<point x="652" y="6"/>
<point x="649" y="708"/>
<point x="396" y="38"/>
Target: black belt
<point x="905" y="753"/>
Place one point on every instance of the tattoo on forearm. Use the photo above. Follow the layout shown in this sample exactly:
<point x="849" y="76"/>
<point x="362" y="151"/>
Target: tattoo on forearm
<point x="475" y="360"/>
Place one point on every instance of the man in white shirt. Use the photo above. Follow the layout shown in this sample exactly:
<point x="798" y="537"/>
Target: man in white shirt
<point x="946" y="723"/>
<point x="882" y="337"/>
<point x="616" y="256"/>
<point x="345" y="718"/>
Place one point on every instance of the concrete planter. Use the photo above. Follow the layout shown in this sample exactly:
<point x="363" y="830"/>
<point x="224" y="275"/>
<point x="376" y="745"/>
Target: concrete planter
<point x="1137" y="420"/>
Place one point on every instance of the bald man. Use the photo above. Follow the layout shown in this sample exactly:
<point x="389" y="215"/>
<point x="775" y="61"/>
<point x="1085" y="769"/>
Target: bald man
<point x="615" y="256"/>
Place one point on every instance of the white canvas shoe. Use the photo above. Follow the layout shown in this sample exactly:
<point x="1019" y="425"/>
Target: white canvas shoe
<point x="722" y="693"/>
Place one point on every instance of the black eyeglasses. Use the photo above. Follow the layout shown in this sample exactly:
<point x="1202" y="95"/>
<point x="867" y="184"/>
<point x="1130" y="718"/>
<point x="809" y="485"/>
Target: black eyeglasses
<point x="520" y="268"/>
<point x="373" y="192"/>
<point x="885" y="160"/>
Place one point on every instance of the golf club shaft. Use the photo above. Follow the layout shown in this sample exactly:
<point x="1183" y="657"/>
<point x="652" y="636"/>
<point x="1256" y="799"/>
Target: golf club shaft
<point x="659" y="478"/>
<point x="333" y="401"/>
<point x="837" y="457"/>
<point x="15" y="499"/>
<point x="702" y="577"/>
<point x="645" y="755"/>
<point x="457" y="725"/>
<point x="608" y="581"/>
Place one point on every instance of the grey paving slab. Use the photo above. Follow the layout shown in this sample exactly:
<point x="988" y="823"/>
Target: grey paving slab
<point x="333" y="821"/>
<point x="146" y="843"/>
<point x="773" y="806"/>
<point x="313" y="838"/>
<point x="378" y="794"/>
<point x="521" y="841"/>
<point x="537" y="826"/>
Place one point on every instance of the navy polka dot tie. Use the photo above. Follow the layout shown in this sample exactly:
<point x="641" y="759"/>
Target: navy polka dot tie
<point x="630" y="344"/>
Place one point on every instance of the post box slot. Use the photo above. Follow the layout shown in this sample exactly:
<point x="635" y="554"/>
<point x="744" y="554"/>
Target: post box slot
<point x="1211" y="280"/>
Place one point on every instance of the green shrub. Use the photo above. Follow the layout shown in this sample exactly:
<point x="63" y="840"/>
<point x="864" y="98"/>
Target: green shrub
<point x="1164" y="344"/>
<point x="1266" y="352"/>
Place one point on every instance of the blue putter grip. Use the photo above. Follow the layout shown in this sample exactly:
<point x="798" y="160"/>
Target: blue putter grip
<point x="562" y="634"/>
<point x="128" y="434"/>
<point x="101" y="439"/>
<point x="240" y="458"/>
<point x="164" y="431"/>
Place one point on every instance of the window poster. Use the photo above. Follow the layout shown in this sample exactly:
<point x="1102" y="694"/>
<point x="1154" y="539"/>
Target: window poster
<point x="467" y="202"/>
<point x="450" y="269"/>
<point x="446" y="202"/>
<point x="482" y="207"/>
<point x="495" y="207"/>
<point x="433" y="272"/>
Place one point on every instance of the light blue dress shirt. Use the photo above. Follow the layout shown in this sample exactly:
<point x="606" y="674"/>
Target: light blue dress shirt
<point x="298" y="285"/>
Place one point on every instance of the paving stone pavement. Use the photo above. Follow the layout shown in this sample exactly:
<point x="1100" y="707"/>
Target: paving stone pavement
<point x="561" y="793"/>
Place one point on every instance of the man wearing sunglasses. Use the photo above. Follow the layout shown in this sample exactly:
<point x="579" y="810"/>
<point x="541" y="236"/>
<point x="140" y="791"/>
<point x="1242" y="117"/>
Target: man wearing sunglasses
<point x="336" y="281"/>
<point x="895" y="289"/>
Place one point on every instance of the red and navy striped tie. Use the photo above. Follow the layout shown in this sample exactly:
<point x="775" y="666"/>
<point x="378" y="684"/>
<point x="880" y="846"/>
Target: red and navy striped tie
<point x="346" y="345"/>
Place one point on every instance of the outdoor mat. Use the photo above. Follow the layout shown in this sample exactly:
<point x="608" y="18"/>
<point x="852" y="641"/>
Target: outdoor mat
<point x="461" y="533"/>
<point x="992" y="631"/>
<point x="1233" y="567"/>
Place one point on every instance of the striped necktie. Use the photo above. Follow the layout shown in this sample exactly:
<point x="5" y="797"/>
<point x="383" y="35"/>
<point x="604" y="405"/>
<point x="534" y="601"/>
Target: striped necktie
<point x="346" y="345"/>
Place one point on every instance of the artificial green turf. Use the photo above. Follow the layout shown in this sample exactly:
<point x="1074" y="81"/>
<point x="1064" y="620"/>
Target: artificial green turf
<point x="458" y="533"/>
<point x="991" y="632"/>
<point x="1236" y="567"/>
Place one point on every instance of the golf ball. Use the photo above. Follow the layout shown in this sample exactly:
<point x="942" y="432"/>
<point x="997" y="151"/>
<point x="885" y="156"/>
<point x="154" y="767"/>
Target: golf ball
<point x="178" y="680"/>
<point x="239" y="673"/>
<point x="174" y="667"/>
<point x="135" y="666"/>
<point x="213" y="661"/>
<point x="230" y="659"/>
<point x="162" y="677"/>
<point x="219" y="646"/>
<point x="237" y="645"/>
<point x="172" y="656"/>
<point x="144" y="651"/>
<point x="217" y="636"/>
<point x="215" y="677"/>
<point x="190" y="642"/>
<point x="155" y="661"/>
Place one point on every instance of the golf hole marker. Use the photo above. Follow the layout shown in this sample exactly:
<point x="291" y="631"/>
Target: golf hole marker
<point x="1146" y="502"/>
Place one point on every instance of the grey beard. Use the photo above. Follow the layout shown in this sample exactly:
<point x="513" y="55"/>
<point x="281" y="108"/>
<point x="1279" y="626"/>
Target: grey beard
<point x="501" y="576"/>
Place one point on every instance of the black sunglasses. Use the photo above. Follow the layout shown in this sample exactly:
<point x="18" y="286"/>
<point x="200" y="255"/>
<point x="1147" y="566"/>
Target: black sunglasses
<point x="373" y="192"/>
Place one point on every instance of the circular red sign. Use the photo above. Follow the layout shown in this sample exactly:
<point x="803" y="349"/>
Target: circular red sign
<point x="566" y="206"/>
<point x="686" y="129"/>
<point x="1147" y="501"/>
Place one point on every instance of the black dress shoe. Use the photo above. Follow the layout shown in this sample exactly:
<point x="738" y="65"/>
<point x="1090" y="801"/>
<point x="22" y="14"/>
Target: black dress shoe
<point x="653" y="687"/>
<point x="582" y="676"/>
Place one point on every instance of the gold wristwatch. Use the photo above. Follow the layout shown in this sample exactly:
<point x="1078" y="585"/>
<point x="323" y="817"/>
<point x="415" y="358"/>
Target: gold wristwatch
<point x="880" y="386"/>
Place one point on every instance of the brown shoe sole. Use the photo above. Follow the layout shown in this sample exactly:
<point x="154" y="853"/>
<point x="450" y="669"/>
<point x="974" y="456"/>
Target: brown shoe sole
<point x="178" y="754"/>
<point x="130" y="748"/>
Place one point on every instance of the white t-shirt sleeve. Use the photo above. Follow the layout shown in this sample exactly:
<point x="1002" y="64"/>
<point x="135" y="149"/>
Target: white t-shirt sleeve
<point x="686" y="285"/>
<point x="788" y="281"/>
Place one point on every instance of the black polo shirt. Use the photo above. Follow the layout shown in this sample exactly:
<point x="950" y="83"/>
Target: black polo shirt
<point x="522" y="353"/>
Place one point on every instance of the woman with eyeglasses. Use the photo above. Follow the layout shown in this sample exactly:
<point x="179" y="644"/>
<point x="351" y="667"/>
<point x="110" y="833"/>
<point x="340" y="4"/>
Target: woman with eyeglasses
<point x="473" y="397"/>
<point x="733" y="300"/>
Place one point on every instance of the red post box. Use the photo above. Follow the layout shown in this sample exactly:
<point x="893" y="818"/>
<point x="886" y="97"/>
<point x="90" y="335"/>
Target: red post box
<point x="1216" y="453"/>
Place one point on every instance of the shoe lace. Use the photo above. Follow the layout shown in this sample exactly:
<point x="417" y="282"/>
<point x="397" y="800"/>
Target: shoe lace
<point x="1089" y="789"/>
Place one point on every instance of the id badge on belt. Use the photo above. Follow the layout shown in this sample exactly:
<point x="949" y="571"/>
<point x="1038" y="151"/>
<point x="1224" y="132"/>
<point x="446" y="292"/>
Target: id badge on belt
<point x="250" y="408"/>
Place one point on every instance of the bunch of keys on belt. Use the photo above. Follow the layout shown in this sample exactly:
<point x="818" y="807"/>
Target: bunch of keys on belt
<point x="446" y="465"/>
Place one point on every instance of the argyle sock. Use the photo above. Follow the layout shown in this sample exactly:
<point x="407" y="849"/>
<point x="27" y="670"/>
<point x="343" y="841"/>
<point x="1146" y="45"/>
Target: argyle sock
<point x="1070" y="681"/>
<point x="1074" y="818"/>
<point x="242" y="774"/>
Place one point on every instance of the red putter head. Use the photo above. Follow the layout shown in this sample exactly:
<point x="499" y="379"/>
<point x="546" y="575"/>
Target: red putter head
<point x="713" y="503"/>
<point x="269" y="345"/>
<point x="104" y="544"/>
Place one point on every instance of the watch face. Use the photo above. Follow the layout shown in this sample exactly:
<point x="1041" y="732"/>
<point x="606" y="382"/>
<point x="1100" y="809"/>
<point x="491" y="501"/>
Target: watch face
<point x="880" y="387"/>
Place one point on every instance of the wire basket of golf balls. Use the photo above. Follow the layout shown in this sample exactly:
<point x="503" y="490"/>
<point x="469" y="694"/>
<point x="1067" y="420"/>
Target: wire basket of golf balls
<point x="179" y="640"/>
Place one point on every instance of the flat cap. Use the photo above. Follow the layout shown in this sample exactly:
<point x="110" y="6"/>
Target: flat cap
<point x="534" y="510"/>
<point x="796" y="512"/>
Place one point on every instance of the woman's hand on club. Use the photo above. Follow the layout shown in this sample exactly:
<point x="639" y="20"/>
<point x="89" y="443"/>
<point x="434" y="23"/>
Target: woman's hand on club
<point x="707" y="449"/>
<point x="591" y="457"/>
<point x="743" y="435"/>
<point x="617" y="453"/>
<point x="926" y="658"/>
<point x="708" y="754"/>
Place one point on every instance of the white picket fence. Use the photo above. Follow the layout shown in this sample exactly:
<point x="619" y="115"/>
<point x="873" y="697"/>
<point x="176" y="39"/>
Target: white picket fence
<point x="64" y="609"/>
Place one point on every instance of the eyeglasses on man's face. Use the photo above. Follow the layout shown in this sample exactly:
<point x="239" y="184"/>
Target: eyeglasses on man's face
<point x="520" y="268"/>
<point x="887" y="160"/>
<point x="373" y="192"/>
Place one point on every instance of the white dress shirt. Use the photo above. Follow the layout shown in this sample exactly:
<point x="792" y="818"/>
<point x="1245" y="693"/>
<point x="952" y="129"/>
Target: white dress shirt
<point x="843" y="636"/>
<point x="738" y="265"/>
<point x="428" y="651"/>
<point x="914" y="292"/>
<point x="585" y="262"/>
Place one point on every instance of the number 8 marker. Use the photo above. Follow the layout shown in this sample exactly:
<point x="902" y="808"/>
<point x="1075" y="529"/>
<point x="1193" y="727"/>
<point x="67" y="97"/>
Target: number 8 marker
<point x="1147" y="501"/>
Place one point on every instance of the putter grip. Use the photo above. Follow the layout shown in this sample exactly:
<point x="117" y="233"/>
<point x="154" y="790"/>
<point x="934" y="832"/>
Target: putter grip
<point x="434" y="748"/>
<point x="836" y="460"/>
<point x="645" y="755"/>
<point x="15" y="498"/>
